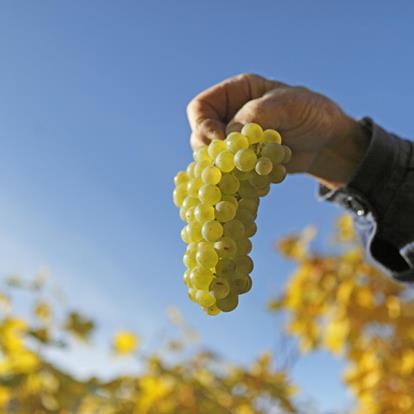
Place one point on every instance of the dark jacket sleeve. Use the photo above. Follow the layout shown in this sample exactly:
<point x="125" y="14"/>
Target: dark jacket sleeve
<point x="380" y="196"/>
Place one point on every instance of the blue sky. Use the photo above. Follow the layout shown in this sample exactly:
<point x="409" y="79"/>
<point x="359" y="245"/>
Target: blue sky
<point x="93" y="129"/>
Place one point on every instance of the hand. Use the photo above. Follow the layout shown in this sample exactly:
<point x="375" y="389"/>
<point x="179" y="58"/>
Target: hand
<point x="326" y="143"/>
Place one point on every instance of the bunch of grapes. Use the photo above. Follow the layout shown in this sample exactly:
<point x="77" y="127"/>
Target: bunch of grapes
<point x="218" y="196"/>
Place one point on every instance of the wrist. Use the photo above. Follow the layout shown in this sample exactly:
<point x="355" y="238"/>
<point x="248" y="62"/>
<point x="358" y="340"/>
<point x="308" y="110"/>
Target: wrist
<point x="338" y="161"/>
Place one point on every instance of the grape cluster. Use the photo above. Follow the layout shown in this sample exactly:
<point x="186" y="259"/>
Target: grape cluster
<point x="218" y="196"/>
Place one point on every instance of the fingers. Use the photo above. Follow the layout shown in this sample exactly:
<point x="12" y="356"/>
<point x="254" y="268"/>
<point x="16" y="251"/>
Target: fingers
<point x="209" y="112"/>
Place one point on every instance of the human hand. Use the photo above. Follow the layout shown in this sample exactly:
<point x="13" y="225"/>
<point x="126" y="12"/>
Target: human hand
<point x="326" y="143"/>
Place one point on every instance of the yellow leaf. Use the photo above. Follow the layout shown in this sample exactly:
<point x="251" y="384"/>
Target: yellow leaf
<point x="125" y="342"/>
<point x="407" y="362"/>
<point x="393" y="307"/>
<point x="336" y="334"/>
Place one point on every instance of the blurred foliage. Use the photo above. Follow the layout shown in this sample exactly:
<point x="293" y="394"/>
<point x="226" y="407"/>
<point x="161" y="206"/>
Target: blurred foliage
<point x="341" y="304"/>
<point x="198" y="381"/>
<point x="335" y="302"/>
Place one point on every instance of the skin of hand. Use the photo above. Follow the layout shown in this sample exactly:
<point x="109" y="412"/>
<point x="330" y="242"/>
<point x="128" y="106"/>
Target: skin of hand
<point x="326" y="143"/>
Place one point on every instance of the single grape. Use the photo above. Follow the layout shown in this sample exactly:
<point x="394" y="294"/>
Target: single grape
<point x="193" y="186"/>
<point x="225" y="268"/>
<point x="241" y="284"/>
<point x="220" y="287"/>
<point x="209" y="194"/>
<point x="246" y="190"/>
<point x="189" y="260"/>
<point x="204" y="212"/>
<point x="226" y="247"/>
<point x="182" y="214"/>
<point x="251" y="228"/>
<point x="264" y="166"/>
<point x="185" y="235"/>
<point x="200" y="277"/>
<point x="212" y="310"/>
<point x="270" y="135"/>
<point x="234" y="229"/>
<point x="253" y="132"/>
<point x="225" y="211"/>
<point x="288" y="154"/>
<point x="211" y="175"/>
<point x="273" y="151"/>
<point x="244" y="264"/>
<point x="236" y="142"/>
<point x="215" y="147"/>
<point x="259" y="181"/>
<point x="278" y="174"/>
<point x="190" y="201"/>
<point x="201" y="154"/>
<point x="180" y="178"/>
<point x="186" y="278"/>
<point x="231" y="199"/>
<point x="229" y="184"/>
<point x="200" y="167"/>
<point x="204" y="298"/>
<point x="190" y="169"/>
<point x="179" y="194"/>
<point x="263" y="191"/>
<point x="225" y="161"/>
<point x="251" y="204"/>
<point x="194" y="231"/>
<point x="241" y="175"/>
<point x="228" y="303"/>
<point x="244" y="215"/>
<point x="212" y="230"/>
<point x="189" y="215"/>
<point x="207" y="257"/>
<point x="245" y="159"/>
<point x="192" y="293"/>
<point x="244" y="246"/>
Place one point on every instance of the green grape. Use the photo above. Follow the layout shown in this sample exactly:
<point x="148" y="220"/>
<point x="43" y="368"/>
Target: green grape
<point x="258" y="181"/>
<point x="207" y="257"/>
<point x="229" y="184"/>
<point x="264" y="166"/>
<point x="191" y="294"/>
<point x="182" y="214"/>
<point x="200" y="167"/>
<point x="209" y="194"/>
<point x="251" y="204"/>
<point x="288" y="154"/>
<point x="241" y="284"/>
<point x="190" y="169"/>
<point x="251" y="228"/>
<point x="225" y="268"/>
<point x="215" y="147"/>
<point x="245" y="160"/>
<point x="234" y="229"/>
<point x="220" y="287"/>
<point x="253" y="132"/>
<point x="189" y="215"/>
<point x="244" y="215"/>
<point x="204" y="212"/>
<point x="204" y="298"/>
<point x="246" y="190"/>
<point x="225" y="211"/>
<point x="273" y="151"/>
<point x="192" y="247"/>
<point x="211" y="175"/>
<point x="278" y="174"/>
<point x="185" y="235"/>
<point x="226" y="247"/>
<point x="179" y="194"/>
<point x="212" y="310"/>
<point x="231" y="199"/>
<point x="190" y="201"/>
<point x="244" y="246"/>
<point x="228" y="303"/>
<point x="194" y="231"/>
<point x="225" y="161"/>
<point x="189" y="260"/>
<point x="193" y="186"/>
<point x="244" y="264"/>
<point x="241" y="175"/>
<point x="180" y="178"/>
<point x="236" y="142"/>
<point x="263" y="191"/>
<point x="270" y="135"/>
<point x="186" y="278"/>
<point x="212" y="230"/>
<point x="201" y="154"/>
<point x="201" y="277"/>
